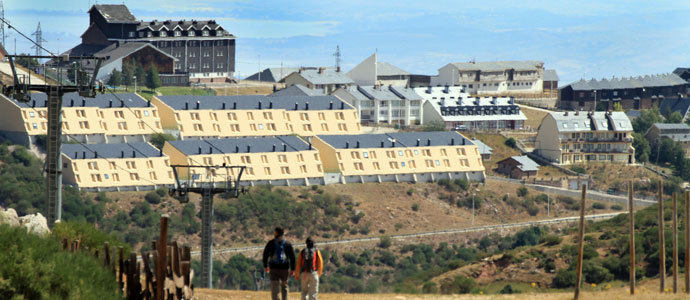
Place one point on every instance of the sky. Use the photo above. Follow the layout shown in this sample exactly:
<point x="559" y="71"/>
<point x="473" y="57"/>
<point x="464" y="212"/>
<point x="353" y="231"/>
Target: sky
<point x="580" y="39"/>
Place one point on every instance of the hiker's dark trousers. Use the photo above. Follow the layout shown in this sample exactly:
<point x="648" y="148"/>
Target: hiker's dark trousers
<point x="279" y="283"/>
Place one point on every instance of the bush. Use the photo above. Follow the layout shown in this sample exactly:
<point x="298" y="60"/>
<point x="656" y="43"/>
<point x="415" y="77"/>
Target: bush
<point x="508" y="289"/>
<point x="153" y="197"/>
<point x="533" y="210"/>
<point x="510" y="142"/>
<point x="616" y="207"/>
<point x="564" y="279"/>
<point x="410" y="192"/>
<point x="158" y="139"/>
<point x="430" y="287"/>
<point x="578" y="169"/>
<point x="415" y="207"/>
<point x="462" y="183"/>
<point x="551" y="240"/>
<point x="597" y="205"/>
<point x="314" y="187"/>
<point x="385" y="241"/>
<point x="522" y="191"/>
<point x="527" y="237"/>
<point x="458" y="285"/>
<point x="594" y="272"/>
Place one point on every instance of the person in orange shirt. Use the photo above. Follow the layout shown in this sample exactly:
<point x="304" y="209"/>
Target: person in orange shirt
<point x="309" y="269"/>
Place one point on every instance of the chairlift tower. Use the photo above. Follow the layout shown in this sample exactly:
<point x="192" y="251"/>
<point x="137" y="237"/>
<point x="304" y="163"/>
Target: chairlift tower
<point x="20" y="89"/>
<point x="187" y="180"/>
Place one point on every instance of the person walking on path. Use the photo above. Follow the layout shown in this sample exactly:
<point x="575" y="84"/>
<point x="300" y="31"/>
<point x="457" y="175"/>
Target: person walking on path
<point x="309" y="269"/>
<point x="279" y="262"/>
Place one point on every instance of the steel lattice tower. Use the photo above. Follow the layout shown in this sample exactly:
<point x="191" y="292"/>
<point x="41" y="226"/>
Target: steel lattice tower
<point x="39" y="40"/>
<point x="2" y="24"/>
<point x="337" y="57"/>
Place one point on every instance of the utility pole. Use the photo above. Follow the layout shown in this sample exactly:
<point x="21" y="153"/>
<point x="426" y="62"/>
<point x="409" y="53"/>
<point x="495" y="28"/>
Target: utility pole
<point x="632" y="238"/>
<point x="231" y="187"/>
<point x="2" y="25"/>
<point x="38" y="40"/>
<point x="662" y="242"/>
<point x="581" y="244"/>
<point x="472" y="208"/>
<point x="337" y="56"/>
<point x="20" y="90"/>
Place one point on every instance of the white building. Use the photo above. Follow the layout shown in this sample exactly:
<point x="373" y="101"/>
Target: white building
<point x="494" y="78"/>
<point x="459" y="111"/>
<point x="318" y="78"/>
<point x="373" y="72"/>
<point x="383" y="104"/>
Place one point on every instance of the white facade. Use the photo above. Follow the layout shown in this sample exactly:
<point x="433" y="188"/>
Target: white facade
<point x="373" y="72"/>
<point x="493" y="78"/>
<point x="383" y="104"/>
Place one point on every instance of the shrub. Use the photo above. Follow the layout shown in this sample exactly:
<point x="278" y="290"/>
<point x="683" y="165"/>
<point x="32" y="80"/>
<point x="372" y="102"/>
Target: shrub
<point x="551" y="240"/>
<point x="564" y="278"/>
<point x="527" y="237"/>
<point x="598" y="205"/>
<point x="458" y="285"/>
<point x="153" y="198"/>
<point x="385" y="242"/>
<point x="511" y="142"/>
<point x="430" y="287"/>
<point x="162" y="191"/>
<point x="594" y="272"/>
<point x="616" y="207"/>
<point x="462" y="183"/>
<point x="398" y="226"/>
<point x="158" y="139"/>
<point x="508" y="289"/>
<point x="533" y="210"/>
<point x="415" y="207"/>
<point x="314" y="187"/>
<point x="410" y="192"/>
<point x="578" y="169"/>
<point x="522" y="191"/>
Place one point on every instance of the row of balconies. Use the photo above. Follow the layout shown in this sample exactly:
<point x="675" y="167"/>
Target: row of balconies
<point x="599" y="140"/>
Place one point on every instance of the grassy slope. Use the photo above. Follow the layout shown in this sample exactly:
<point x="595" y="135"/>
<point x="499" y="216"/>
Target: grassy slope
<point x="534" y="116"/>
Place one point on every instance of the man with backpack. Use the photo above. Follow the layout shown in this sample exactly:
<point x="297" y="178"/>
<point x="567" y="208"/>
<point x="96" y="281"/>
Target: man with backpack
<point x="279" y="262"/>
<point x="310" y="266"/>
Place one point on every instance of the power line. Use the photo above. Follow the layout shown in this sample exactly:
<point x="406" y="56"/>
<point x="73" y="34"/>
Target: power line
<point x="9" y="26"/>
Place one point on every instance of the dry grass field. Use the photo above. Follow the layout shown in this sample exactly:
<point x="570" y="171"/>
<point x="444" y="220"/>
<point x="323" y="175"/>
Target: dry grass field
<point x="534" y="116"/>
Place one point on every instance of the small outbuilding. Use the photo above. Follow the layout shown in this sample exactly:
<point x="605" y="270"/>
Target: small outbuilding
<point x="518" y="167"/>
<point x="484" y="149"/>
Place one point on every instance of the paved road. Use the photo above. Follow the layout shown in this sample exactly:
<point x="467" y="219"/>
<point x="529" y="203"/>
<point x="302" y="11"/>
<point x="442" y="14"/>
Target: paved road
<point x="430" y="233"/>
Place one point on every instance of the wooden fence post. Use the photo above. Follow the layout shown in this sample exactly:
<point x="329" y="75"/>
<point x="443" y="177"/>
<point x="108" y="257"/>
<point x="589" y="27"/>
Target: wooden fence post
<point x="632" y="238"/>
<point x="675" y="243"/>
<point x="161" y="263"/>
<point x="581" y="245"/>
<point x="106" y="254"/>
<point x="662" y="240"/>
<point x="121" y="266"/>
<point x="687" y="242"/>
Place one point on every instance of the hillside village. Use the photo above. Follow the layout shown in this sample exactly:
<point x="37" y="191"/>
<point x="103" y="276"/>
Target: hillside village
<point x="410" y="160"/>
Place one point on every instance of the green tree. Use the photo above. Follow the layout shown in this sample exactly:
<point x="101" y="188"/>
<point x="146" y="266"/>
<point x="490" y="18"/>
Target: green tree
<point x="642" y="148"/>
<point x="115" y="78"/>
<point x="158" y="139"/>
<point x="27" y="62"/>
<point x="646" y="119"/>
<point x="674" y="117"/>
<point x="141" y="74"/>
<point x="510" y="142"/>
<point x="617" y="106"/>
<point x="434" y="126"/>
<point x="152" y="80"/>
<point x="127" y="75"/>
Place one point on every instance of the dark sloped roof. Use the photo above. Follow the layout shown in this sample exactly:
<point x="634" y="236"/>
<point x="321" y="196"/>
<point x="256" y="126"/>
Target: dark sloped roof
<point x="241" y="145"/>
<point x="272" y="74"/>
<point x="115" y="13"/>
<point x="128" y="150"/>
<point x="101" y="100"/>
<point x="483" y="148"/>
<point x="669" y="105"/>
<point x="669" y="79"/>
<point x="248" y="102"/>
<point x="668" y="126"/>
<point x="298" y="90"/>
<point x="114" y="52"/>
<point x="325" y="76"/>
<point x="396" y="140"/>
<point x="526" y="163"/>
<point x="183" y="25"/>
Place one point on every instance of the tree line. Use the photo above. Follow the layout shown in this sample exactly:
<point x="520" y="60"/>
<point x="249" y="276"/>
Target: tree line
<point x="134" y="72"/>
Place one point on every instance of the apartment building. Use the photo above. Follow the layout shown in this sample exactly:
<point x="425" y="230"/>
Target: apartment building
<point x="107" y="118"/>
<point x="678" y="132"/>
<point x="582" y="137"/>
<point x="509" y="78"/>
<point x="282" y="160"/>
<point x="457" y="110"/>
<point x="115" y="167"/>
<point x="383" y="104"/>
<point x="373" y="72"/>
<point x="396" y="157"/>
<point x="326" y="79"/>
<point x="255" y="115"/>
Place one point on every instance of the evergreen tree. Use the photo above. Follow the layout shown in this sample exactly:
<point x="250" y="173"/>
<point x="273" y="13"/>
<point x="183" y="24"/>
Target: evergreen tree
<point x="152" y="80"/>
<point x="141" y="74"/>
<point x="127" y="75"/>
<point x="115" y="78"/>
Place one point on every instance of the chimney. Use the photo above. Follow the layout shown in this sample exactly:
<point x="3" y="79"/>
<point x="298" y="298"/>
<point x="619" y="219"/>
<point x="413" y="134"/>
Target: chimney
<point x="95" y="154"/>
<point x="566" y="113"/>
<point x="428" y="90"/>
<point x="134" y="154"/>
<point x="199" y="150"/>
<point x="576" y="113"/>
<point x="270" y="104"/>
<point x="296" y="106"/>
<point x="284" y="147"/>
<point x="512" y="100"/>
<point x="83" y="154"/>
<point x="210" y="150"/>
<point x="223" y="105"/>
<point x="357" y="143"/>
<point x="148" y="103"/>
<point x="347" y="145"/>
<point x="83" y="102"/>
<point x="197" y="104"/>
<point x="382" y="144"/>
<point x="274" y="147"/>
<point x="110" y="103"/>
<point x="249" y="148"/>
<point x="330" y="105"/>
<point x="320" y="70"/>
<point x="274" y="88"/>
<point x="452" y="142"/>
<point x="306" y="105"/>
<point x="71" y="102"/>
<point x="342" y="105"/>
<point x="76" y="155"/>
<point x="338" y="69"/>
<point x="309" y="146"/>
<point x="122" y="103"/>
<point x="428" y="142"/>
<point x="463" y="142"/>
<point x="393" y="143"/>
<point x="186" y="106"/>
<point x="33" y="103"/>
<point x="237" y="149"/>
<point x="259" y="104"/>
<point x="160" y="152"/>
<point x="122" y="154"/>
<point x="418" y="141"/>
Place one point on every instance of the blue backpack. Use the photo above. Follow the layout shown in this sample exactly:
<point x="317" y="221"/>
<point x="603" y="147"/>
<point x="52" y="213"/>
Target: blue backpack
<point x="278" y="257"/>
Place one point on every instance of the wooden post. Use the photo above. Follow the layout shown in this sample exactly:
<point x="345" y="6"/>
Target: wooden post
<point x="161" y="263"/>
<point x="121" y="266"/>
<point x="662" y="240"/>
<point x="64" y="244"/>
<point x="675" y="243"/>
<point x="106" y="254"/>
<point x="632" y="238"/>
<point x="687" y="242"/>
<point x="148" y="275"/>
<point x="581" y="245"/>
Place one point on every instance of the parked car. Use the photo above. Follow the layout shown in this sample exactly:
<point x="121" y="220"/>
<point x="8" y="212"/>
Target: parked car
<point x="461" y="127"/>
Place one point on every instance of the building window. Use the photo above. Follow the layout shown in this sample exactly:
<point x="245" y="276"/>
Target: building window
<point x="163" y="33"/>
<point x="219" y="65"/>
<point x="149" y="34"/>
<point x="219" y="32"/>
<point x="285" y="170"/>
<point x="205" y="33"/>
<point x="131" y="34"/>
<point x="178" y="33"/>
<point x="206" y="54"/>
<point x="141" y="34"/>
<point x="220" y="53"/>
<point x="191" y="33"/>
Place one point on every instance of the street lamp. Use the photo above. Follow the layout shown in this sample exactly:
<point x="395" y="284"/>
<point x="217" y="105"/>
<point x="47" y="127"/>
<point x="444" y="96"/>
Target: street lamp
<point x="135" y="84"/>
<point x="472" y="208"/>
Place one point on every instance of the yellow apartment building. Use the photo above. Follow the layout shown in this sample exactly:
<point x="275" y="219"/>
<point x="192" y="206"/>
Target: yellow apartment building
<point x="402" y="156"/>
<point x="115" y="167"/>
<point x="103" y="119"/>
<point x="282" y="160"/>
<point x="202" y="117"/>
